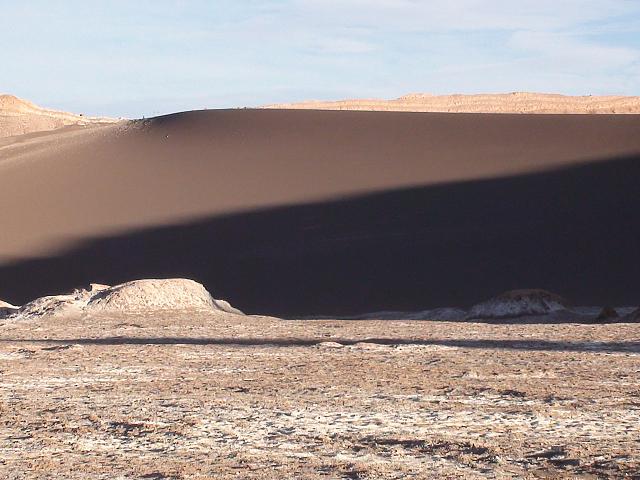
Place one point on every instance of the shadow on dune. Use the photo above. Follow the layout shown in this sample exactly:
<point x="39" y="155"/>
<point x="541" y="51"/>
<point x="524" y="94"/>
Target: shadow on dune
<point x="530" y="344"/>
<point x="573" y="231"/>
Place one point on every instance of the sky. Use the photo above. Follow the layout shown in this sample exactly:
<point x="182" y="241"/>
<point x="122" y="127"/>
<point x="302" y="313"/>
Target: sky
<point x="148" y="57"/>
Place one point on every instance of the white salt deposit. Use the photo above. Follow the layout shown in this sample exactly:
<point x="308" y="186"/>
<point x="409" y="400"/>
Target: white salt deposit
<point x="138" y="296"/>
<point x="150" y="295"/>
<point x="52" y="305"/>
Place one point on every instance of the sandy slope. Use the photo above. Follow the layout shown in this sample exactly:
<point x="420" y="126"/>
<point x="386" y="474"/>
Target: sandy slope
<point x="450" y="197"/>
<point x="517" y="102"/>
<point x="194" y="164"/>
<point x="18" y="116"/>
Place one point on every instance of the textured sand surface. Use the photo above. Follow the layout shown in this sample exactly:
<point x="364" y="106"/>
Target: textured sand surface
<point x="193" y="396"/>
<point x="18" y="117"/>
<point x="287" y="212"/>
<point x="517" y="102"/>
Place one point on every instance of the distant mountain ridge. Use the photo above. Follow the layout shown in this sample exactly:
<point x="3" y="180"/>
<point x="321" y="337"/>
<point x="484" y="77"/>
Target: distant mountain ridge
<point x="516" y="102"/>
<point x="18" y="116"/>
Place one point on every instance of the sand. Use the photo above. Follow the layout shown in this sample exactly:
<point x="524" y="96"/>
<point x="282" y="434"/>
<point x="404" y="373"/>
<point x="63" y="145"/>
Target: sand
<point x="328" y="213"/>
<point x="516" y="102"/>
<point x="292" y="212"/>
<point x="196" y="396"/>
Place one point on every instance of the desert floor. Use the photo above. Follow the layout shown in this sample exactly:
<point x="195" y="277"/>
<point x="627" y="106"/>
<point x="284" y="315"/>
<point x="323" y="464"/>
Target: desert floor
<point x="224" y="396"/>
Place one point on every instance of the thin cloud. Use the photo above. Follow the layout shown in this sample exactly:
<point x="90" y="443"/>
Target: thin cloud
<point x="148" y="53"/>
<point x="445" y="15"/>
<point x="562" y="53"/>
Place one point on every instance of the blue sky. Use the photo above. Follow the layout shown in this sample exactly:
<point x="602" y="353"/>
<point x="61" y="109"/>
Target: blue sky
<point x="134" y="58"/>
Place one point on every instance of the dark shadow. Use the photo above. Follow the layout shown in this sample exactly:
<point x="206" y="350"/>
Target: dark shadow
<point x="546" y="319"/>
<point x="574" y="231"/>
<point x="530" y="344"/>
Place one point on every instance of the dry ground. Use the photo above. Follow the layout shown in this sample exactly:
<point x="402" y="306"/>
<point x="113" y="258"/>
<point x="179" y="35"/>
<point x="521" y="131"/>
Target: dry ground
<point x="224" y="396"/>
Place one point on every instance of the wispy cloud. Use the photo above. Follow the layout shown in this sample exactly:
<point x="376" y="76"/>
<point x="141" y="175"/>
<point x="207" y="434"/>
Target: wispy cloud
<point x="446" y="15"/>
<point x="164" y="55"/>
<point x="565" y="52"/>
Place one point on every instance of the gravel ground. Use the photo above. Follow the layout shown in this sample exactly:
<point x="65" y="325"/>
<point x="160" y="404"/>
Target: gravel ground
<point x="195" y="396"/>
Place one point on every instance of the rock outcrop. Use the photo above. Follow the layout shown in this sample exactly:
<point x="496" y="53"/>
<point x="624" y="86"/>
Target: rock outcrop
<point x="51" y="305"/>
<point x="138" y="296"/>
<point x="151" y="295"/>
<point x="19" y="116"/>
<point x="518" y="303"/>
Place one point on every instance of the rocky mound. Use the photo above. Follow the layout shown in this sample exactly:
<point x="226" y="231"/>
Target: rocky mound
<point x="19" y="116"/>
<point x="515" y="102"/>
<point x="137" y="296"/>
<point x="151" y="295"/>
<point x="52" y="305"/>
<point x="518" y="303"/>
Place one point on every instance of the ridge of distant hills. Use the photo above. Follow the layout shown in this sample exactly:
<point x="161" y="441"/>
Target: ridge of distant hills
<point x="516" y="102"/>
<point x="18" y="116"/>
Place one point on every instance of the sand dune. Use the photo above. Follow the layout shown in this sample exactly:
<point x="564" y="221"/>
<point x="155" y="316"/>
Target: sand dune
<point x="18" y="117"/>
<point x="196" y="164"/>
<point x="304" y="212"/>
<point x="516" y="102"/>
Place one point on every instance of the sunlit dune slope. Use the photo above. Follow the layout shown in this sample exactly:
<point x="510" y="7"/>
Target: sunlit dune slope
<point x="62" y="189"/>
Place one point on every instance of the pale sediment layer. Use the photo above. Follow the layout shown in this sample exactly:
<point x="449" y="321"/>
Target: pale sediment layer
<point x="516" y="102"/>
<point x="18" y="117"/>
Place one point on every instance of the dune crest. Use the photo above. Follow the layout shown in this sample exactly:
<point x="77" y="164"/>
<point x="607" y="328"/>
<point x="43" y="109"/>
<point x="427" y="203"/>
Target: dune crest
<point x="516" y="102"/>
<point x="18" y="116"/>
